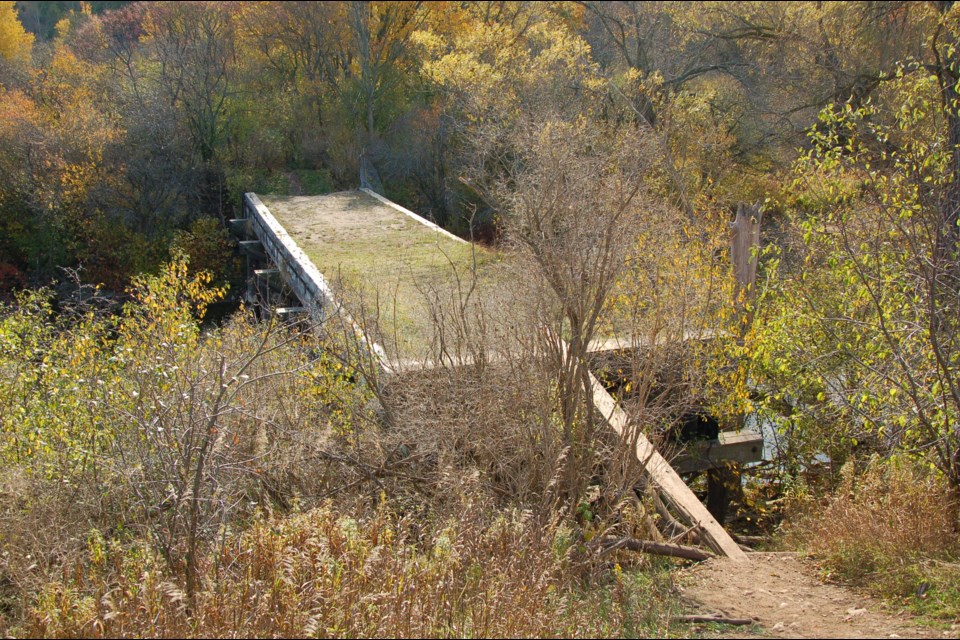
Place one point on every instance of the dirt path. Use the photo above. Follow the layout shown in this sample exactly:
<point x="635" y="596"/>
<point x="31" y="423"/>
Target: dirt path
<point x="782" y="593"/>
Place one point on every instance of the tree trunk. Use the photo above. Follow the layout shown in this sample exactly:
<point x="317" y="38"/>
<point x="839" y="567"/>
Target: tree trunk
<point x="947" y="58"/>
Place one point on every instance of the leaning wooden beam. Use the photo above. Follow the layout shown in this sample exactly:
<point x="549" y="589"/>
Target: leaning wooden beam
<point x="671" y="485"/>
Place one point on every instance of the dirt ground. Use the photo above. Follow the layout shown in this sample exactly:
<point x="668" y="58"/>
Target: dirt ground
<point x="783" y="595"/>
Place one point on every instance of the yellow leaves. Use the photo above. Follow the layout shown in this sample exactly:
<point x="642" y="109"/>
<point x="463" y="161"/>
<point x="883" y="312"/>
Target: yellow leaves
<point x="166" y="307"/>
<point x="492" y="65"/>
<point x="433" y="44"/>
<point x="15" y="42"/>
<point x="63" y="131"/>
<point x="73" y="180"/>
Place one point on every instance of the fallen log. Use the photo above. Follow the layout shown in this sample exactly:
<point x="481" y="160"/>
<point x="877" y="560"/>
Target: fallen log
<point x="719" y="619"/>
<point x="611" y="543"/>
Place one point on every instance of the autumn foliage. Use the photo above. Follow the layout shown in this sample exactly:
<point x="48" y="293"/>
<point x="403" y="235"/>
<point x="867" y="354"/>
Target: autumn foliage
<point x="165" y="474"/>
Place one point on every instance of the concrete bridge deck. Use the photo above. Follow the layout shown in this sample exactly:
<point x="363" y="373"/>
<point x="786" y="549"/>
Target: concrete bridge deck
<point x="360" y="250"/>
<point x="383" y="261"/>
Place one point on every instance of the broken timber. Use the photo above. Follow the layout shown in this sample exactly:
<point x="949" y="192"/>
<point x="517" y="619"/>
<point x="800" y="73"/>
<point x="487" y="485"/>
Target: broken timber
<point x="304" y="279"/>
<point x="671" y="484"/>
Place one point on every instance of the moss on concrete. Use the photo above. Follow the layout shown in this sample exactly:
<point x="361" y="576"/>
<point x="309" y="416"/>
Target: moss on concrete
<point x="384" y="263"/>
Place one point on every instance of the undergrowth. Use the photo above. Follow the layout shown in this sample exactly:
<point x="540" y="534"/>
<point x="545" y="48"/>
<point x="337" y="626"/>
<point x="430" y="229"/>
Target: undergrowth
<point x="891" y="529"/>
<point x="161" y="479"/>
<point x="326" y="574"/>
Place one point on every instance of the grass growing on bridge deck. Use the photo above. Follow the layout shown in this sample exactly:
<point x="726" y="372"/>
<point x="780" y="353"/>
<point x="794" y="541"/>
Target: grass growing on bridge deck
<point x="368" y="249"/>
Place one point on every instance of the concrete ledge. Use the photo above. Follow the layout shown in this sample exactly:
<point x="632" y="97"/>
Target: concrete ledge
<point x="298" y="271"/>
<point x="411" y="214"/>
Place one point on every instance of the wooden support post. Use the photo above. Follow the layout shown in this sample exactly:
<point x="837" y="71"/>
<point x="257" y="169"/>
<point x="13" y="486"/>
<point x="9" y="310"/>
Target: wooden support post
<point x="671" y="485"/>
<point x="240" y="227"/>
<point x="744" y="246"/>
<point x="253" y="248"/>
<point x="724" y="480"/>
<point x="261" y="289"/>
<point x="723" y="485"/>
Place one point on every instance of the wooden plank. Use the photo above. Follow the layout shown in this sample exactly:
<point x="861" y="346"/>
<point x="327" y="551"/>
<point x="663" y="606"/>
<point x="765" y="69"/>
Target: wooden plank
<point x="253" y="248"/>
<point x="745" y="446"/>
<point x="666" y="478"/>
<point x="240" y="227"/>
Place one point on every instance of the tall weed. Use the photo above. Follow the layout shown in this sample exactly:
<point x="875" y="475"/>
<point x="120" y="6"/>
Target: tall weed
<point x="891" y="528"/>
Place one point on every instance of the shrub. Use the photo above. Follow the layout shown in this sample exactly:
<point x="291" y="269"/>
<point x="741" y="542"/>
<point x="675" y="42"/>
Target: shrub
<point x="887" y="528"/>
<point x="327" y="574"/>
<point x="210" y="248"/>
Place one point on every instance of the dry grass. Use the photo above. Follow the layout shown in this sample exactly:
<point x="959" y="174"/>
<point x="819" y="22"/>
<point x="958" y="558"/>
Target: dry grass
<point x="330" y="505"/>
<point x="324" y="574"/>
<point x="891" y="528"/>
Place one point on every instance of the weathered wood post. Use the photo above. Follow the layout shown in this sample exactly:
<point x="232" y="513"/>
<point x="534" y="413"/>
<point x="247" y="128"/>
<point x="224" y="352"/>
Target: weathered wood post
<point x="724" y="481"/>
<point x="744" y="250"/>
<point x="241" y="229"/>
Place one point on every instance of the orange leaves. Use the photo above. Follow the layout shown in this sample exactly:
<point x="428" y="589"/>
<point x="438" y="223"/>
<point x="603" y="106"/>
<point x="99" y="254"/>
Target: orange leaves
<point x="16" y="107"/>
<point x="54" y="133"/>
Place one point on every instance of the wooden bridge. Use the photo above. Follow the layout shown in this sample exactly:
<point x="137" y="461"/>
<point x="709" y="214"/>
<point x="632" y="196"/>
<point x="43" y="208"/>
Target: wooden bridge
<point x="370" y="246"/>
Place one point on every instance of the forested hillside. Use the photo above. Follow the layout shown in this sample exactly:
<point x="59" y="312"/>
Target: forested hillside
<point x="166" y="471"/>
